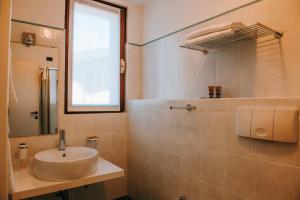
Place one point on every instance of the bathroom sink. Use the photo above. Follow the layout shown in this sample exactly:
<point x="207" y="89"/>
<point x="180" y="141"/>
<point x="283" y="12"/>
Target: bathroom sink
<point x="72" y="163"/>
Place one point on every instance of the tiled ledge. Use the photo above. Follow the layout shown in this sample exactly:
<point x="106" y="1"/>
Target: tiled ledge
<point x="223" y="105"/>
<point x="27" y="185"/>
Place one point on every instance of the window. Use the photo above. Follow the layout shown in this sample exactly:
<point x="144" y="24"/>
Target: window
<point x="95" y="57"/>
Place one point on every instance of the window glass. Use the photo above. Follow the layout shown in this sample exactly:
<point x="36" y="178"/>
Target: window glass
<point x="95" y="74"/>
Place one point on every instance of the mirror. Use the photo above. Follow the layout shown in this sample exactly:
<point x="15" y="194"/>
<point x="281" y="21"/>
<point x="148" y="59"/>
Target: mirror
<point x="33" y="105"/>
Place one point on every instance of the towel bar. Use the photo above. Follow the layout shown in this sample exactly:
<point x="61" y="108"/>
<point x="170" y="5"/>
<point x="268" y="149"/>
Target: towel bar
<point x="255" y="31"/>
<point x="188" y="107"/>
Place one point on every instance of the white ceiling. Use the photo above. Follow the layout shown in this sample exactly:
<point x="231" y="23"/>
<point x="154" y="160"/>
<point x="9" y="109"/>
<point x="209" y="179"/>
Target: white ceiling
<point x="140" y="2"/>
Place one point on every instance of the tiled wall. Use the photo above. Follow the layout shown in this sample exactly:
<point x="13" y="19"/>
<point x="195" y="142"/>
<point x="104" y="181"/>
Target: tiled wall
<point x="112" y="131"/>
<point x="198" y="155"/>
<point x="111" y="128"/>
<point x="268" y="68"/>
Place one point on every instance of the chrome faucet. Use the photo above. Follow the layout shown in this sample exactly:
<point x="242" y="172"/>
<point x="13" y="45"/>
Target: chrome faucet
<point x="62" y="140"/>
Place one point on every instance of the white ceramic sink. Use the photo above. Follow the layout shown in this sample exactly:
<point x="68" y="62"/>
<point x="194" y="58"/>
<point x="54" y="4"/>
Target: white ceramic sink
<point x="73" y="163"/>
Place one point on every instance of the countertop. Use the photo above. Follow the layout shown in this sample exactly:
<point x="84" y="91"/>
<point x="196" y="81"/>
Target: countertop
<point x="26" y="185"/>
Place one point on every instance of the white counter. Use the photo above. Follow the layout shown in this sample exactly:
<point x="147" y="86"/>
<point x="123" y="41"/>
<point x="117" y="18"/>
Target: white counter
<point x="26" y="185"/>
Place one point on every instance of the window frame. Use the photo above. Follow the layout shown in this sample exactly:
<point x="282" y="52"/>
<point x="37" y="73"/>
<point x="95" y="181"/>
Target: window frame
<point x="123" y="31"/>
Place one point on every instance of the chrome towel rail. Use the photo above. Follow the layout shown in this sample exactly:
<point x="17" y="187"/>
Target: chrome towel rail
<point x="188" y="107"/>
<point x="49" y="68"/>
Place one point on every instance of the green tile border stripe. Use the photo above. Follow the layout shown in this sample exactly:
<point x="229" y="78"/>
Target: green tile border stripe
<point x="36" y="24"/>
<point x="161" y="37"/>
<point x="200" y="22"/>
<point x="134" y="44"/>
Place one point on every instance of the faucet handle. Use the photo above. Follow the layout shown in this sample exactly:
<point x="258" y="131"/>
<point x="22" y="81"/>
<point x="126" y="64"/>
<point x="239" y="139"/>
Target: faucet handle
<point x="62" y="140"/>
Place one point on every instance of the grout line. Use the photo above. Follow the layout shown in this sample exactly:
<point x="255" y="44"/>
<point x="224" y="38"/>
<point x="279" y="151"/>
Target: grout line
<point x="239" y="68"/>
<point x="222" y="189"/>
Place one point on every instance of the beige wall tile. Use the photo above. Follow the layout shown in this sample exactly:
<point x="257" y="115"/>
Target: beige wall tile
<point x="171" y="129"/>
<point x="229" y="196"/>
<point x="284" y="103"/>
<point x="224" y="175"/>
<point x="170" y="154"/>
<point x="76" y="140"/>
<point x="264" y="102"/>
<point x="213" y="105"/>
<point x="154" y="70"/>
<point x="189" y="187"/>
<point x="239" y="175"/>
<point x="290" y="8"/>
<point x="257" y="61"/>
<point x="192" y="66"/>
<point x="297" y="103"/>
<point x="233" y="104"/>
<point x="297" y="151"/>
<point x="228" y="71"/>
<point x="267" y="68"/>
<point x="101" y="122"/>
<point x="119" y="142"/>
<point x="209" y="192"/>
<point x="157" y="123"/>
<point x="151" y="149"/>
<point x="137" y="105"/>
<point x="253" y="71"/>
<point x="275" y="151"/>
<point x="275" y="102"/>
<point x="212" y="166"/>
<point x="156" y="180"/>
<point x="83" y="124"/>
<point x="272" y="181"/>
<point x="140" y="122"/>
<point x="119" y="122"/>
<point x="213" y="130"/>
<point x="190" y="127"/>
<point x="171" y="182"/>
<point x="296" y="189"/>
<point x="134" y="71"/>
<point x="139" y="147"/>
<point x="172" y="49"/>
<point x="190" y="161"/>
<point x="235" y="143"/>
<point x="105" y="144"/>
<point x="149" y="175"/>
<point x="189" y="68"/>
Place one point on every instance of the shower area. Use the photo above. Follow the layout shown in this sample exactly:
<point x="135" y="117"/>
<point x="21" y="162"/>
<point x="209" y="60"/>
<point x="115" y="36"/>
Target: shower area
<point x="196" y="154"/>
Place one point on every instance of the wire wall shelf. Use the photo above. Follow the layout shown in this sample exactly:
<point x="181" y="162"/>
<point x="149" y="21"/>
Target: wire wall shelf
<point x="252" y="32"/>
